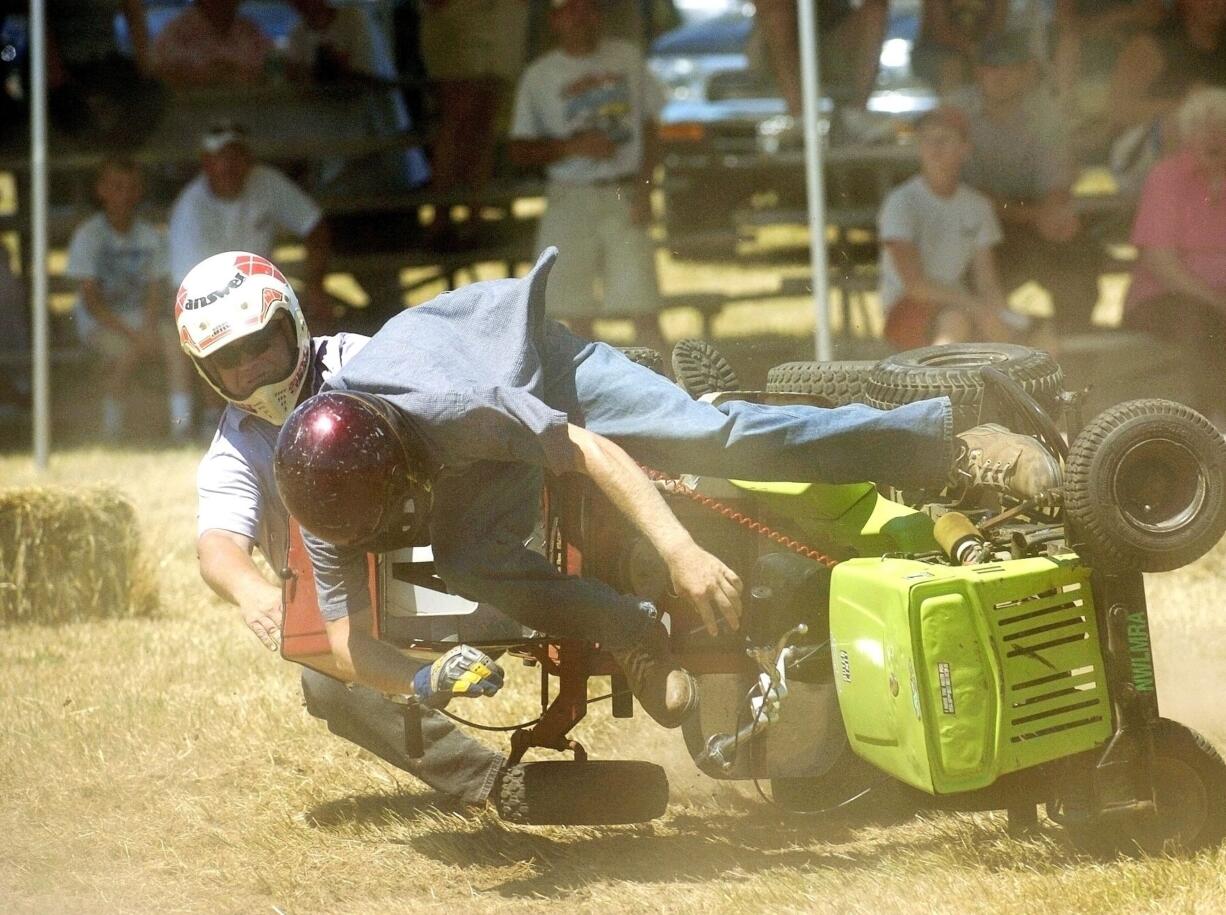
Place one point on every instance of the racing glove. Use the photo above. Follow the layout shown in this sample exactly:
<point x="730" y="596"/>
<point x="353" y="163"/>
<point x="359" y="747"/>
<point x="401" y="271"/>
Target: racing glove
<point x="462" y="671"/>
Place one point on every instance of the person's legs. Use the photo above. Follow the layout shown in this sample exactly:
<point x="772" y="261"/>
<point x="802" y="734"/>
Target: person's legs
<point x="659" y="424"/>
<point x="631" y="287"/>
<point x="1201" y="332"/>
<point x="1067" y="270"/>
<point x="178" y="382"/>
<point x="566" y="223"/>
<point x="453" y="763"/>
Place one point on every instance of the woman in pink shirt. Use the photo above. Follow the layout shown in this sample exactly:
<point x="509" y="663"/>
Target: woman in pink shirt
<point x="1178" y="290"/>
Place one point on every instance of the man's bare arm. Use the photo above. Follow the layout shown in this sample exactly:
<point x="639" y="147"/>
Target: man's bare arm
<point x="702" y="579"/>
<point x="227" y="567"/>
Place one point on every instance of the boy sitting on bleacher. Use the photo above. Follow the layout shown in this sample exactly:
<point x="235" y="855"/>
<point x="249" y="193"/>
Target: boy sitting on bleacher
<point x="120" y="264"/>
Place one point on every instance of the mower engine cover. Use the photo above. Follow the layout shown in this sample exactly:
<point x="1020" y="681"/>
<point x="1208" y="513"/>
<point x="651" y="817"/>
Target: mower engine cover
<point x="949" y="677"/>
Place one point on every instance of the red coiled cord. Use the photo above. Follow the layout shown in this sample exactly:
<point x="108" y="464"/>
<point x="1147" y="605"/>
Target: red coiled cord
<point x="673" y="485"/>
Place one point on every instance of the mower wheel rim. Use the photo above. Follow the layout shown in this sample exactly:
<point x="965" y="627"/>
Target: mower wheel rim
<point x="1159" y="486"/>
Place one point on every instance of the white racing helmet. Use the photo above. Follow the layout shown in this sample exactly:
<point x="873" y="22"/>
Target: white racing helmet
<point x="233" y="295"/>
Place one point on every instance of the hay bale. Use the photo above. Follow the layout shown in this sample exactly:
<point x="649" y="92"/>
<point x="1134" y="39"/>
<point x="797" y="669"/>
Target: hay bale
<point x="70" y="554"/>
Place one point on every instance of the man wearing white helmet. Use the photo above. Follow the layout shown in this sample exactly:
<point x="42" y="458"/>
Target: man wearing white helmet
<point x="240" y="322"/>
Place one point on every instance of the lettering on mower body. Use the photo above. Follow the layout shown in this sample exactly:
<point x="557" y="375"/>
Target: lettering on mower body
<point x="201" y="301"/>
<point x="1139" y="654"/>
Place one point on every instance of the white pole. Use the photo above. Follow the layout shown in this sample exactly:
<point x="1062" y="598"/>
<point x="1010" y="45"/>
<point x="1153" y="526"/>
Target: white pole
<point x="810" y="96"/>
<point x="40" y="368"/>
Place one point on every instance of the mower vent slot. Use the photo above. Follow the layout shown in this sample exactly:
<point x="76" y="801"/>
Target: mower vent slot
<point x="1047" y="627"/>
<point x="1020" y="650"/>
<point x="1053" y="712"/>
<point x="1056" y="728"/>
<point x="1044" y="697"/>
<point x="1034" y="613"/>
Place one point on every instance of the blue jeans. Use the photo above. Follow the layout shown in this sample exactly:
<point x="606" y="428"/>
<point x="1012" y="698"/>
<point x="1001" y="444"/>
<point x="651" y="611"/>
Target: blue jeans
<point x="482" y="516"/>
<point x="453" y="763"/>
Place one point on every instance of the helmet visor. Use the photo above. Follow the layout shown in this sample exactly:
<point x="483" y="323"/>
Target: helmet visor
<point x="265" y="357"/>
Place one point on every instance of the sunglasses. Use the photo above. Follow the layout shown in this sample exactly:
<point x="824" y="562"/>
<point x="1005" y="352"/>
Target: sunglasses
<point x="249" y="347"/>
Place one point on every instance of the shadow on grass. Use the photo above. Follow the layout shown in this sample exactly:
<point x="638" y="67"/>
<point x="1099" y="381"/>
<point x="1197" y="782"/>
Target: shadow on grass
<point x="375" y="809"/>
<point x="686" y="848"/>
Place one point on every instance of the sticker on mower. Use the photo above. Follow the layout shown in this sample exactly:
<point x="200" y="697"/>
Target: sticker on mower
<point x="845" y="666"/>
<point x="947" y="688"/>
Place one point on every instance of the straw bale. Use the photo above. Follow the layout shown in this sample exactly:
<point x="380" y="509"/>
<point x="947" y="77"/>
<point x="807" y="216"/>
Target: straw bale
<point x="70" y="554"/>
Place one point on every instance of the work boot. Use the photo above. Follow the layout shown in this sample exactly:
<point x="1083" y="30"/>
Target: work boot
<point x="1016" y="465"/>
<point x="665" y="690"/>
<point x="702" y="369"/>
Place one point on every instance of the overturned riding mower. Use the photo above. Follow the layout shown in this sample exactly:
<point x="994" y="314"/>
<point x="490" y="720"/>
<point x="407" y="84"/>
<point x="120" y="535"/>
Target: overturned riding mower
<point x="947" y="650"/>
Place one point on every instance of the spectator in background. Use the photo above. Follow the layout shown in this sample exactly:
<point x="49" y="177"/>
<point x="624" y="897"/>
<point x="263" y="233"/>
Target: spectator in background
<point x="119" y="263"/>
<point x="951" y="32"/>
<point x="1021" y="159"/>
<point x="95" y="92"/>
<point x="585" y="111"/>
<point x="850" y="51"/>
<point x="1178" y="290"/>
<point x="936" y="233"/>
<point x="210" y="44"/>
<point x="330" y="44"/>
<point x="1153" y="74"/>
<point x="238" y="204"/>
<point x="473" y="52"/>
<point x="1090" y="34"/>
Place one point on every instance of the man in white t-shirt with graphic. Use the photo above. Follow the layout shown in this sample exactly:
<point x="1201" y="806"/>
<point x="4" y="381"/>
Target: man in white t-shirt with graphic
<point x="938" y="272"/>
<point x="119" y="263"/>
<point x="239" y="204"/>
<point x="585" y="112"/>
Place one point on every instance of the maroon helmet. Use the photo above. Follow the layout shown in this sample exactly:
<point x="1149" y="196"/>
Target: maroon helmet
<point x="353" y="472"/>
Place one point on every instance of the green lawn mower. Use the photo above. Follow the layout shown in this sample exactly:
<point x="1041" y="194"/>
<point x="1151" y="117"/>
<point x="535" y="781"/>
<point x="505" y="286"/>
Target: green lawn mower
<point x="899" y="650"/>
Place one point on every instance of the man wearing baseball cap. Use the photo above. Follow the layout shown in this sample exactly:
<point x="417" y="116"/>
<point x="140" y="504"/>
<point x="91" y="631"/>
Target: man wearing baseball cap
<point x="1021" y="158"/>
<point x="238" y="203"/>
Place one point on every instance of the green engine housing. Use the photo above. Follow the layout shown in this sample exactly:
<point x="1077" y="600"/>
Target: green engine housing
<point x="949" y="677"/>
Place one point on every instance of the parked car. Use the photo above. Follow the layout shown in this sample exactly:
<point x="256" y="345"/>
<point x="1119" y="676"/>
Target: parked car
<point x="728" y="144"/>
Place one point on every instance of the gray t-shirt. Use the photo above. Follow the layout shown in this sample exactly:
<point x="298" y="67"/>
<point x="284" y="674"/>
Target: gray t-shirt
<point x="122" y="263"/>
<point x="1021" y="158"/>
<point x="235" y="488"/>
<point x="948" y="231"/>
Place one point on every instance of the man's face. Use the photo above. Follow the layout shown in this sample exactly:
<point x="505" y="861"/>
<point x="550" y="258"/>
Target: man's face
<point x="1004" y="83"/>
<point x="249" y="363"/>
<point x="227" y="169"/>
<point x="943" y="151"/>
<point x="119" y="191"/>
<point x="577" y="23"/>
<point x="1208" y="145"/>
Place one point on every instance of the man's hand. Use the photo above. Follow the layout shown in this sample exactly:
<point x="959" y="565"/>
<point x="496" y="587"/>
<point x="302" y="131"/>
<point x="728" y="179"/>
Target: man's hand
<point x="463" y="671"/>
<point x="710" y="586"/>
<point x="262" y="612"/>
<point x="592" y="144"/>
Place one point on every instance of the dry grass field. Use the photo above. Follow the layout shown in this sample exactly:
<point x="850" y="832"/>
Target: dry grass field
<point x="164" y="764"/>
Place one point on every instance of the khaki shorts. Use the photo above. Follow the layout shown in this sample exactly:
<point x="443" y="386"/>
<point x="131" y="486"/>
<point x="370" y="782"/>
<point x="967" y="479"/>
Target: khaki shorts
<point x="110" y="346"/>
<point x="470" y="39"/>
<point x="598" y="247"/>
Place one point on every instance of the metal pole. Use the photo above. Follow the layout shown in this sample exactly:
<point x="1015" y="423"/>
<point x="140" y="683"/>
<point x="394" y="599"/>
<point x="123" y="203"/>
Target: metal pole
<point x="40" y="367"/>
<point x="810" y="97"/>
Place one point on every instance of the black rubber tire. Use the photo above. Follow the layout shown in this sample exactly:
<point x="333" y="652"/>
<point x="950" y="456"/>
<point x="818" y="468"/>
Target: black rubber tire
<point x="1145" y="486"/>
<point x="953" y="371"/>
<point x="604" y="792"/>
<point x="646" y="357"/>
<point x="839" y="382"/>
<point x="701" y="369"/>
<point x="1190" y="792"/>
